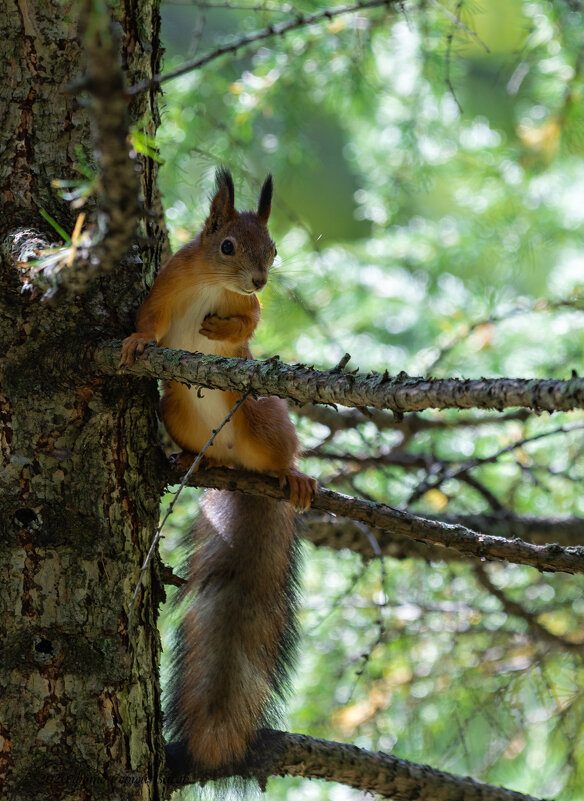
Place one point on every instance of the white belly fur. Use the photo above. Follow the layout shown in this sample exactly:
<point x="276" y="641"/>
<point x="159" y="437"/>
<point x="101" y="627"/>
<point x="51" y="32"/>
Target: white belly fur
<point x="211" y="404"/>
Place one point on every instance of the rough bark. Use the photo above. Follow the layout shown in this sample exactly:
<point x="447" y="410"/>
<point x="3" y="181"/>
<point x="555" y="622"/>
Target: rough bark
<point x="451" y="536"/>
<point x="344" y="419"/>
<point x="79" y="699"/>
<point x="337" y="533"/>
<point x="302" y="384"/>
<point x="282" y="753"/>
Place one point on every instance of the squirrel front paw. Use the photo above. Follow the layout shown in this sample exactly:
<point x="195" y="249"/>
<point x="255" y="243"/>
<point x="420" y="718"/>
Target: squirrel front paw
<point x="133" y="346"/>
<point x="226" y="328"/>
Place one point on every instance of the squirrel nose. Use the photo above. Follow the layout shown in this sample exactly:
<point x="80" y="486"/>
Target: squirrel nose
<point x="259" y="282"/>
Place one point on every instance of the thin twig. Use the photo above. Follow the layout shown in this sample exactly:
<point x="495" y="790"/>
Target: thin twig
<point x="470" y="464"/>
<point x="381" y="607"/>
<point x="347" y="419"/>
<point x="517" y="610"/>
<point x="230" y="6"/>
<point x="455" y="20"/>
<point x="276" y="29"/>
<point x="184" y="482"/>
<point x="449" y="41"/>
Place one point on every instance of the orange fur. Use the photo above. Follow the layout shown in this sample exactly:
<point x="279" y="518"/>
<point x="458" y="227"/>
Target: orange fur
<point x="241" y="572"/>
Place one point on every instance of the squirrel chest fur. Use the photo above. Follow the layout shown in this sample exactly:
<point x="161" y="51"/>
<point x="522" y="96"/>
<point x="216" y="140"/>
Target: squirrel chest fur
<point x="207" y="408"/>
<point x="238" y="632"/>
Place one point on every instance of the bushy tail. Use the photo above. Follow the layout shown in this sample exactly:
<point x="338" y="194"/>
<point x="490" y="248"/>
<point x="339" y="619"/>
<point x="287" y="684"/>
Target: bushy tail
<point x="238" y="635"/>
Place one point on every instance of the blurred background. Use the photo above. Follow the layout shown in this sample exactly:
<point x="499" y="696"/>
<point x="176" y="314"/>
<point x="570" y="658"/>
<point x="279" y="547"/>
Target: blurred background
<point x="428" y="214"/>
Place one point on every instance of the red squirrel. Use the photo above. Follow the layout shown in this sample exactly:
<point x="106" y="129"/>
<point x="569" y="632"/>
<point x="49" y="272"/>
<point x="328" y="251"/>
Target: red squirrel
<point x="238" y="634"/>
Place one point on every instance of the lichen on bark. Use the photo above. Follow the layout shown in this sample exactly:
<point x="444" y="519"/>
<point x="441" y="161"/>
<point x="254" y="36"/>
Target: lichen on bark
<point x="79" y="489"/>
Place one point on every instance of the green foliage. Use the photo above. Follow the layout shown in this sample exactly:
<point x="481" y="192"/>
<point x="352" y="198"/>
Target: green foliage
<point x="428" y="214"/>
<point x="54" y="224"/>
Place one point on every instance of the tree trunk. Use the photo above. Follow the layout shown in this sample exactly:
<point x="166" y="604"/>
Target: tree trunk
<point x="79" y="486"/>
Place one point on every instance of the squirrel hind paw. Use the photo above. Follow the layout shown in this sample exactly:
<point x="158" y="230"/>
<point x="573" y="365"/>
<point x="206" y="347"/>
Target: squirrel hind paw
<point x="302" y="488"/>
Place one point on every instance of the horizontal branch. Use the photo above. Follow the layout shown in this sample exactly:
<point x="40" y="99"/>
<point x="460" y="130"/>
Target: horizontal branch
<point x="301" y="384"/>
<point x="411" y="425"/>
<point x="551" y="557"/>
<point x="285" y="754"/>
<point x="338" y="533"/>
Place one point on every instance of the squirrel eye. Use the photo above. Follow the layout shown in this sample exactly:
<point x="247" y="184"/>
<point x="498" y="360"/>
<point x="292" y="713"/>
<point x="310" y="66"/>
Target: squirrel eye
<point x="275" y="251"/>
<point x="227" y="247"/>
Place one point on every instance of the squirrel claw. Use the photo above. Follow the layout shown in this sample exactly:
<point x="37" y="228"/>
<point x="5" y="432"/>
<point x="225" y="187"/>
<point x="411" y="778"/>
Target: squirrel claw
<point x="302" y="488"/>
<point x="214" y="327"/>
<point x="133" y="346"/>
<point x="228" y="329"/>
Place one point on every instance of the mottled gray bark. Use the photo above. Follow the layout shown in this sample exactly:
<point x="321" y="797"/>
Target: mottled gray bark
<point x="283" y="754"/>
<point x="79" y="491"/>
<point x="302" y="384"/>
<point x="339" y="532"/>
<point x="449" y="536"/>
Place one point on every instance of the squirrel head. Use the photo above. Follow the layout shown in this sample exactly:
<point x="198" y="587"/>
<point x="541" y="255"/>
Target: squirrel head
<point x="237" y="245"/>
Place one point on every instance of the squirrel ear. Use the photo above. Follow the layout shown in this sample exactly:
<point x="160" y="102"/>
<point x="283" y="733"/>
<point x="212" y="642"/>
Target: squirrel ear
<point x="265" y="201"/>
<point x="223" y="202"/>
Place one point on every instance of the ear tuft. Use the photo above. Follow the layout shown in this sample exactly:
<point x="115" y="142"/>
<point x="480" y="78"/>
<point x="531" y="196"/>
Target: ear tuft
<point x="223" y="201"/>
<point x="223" y="179"/>
<point x="265" y="201"/>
